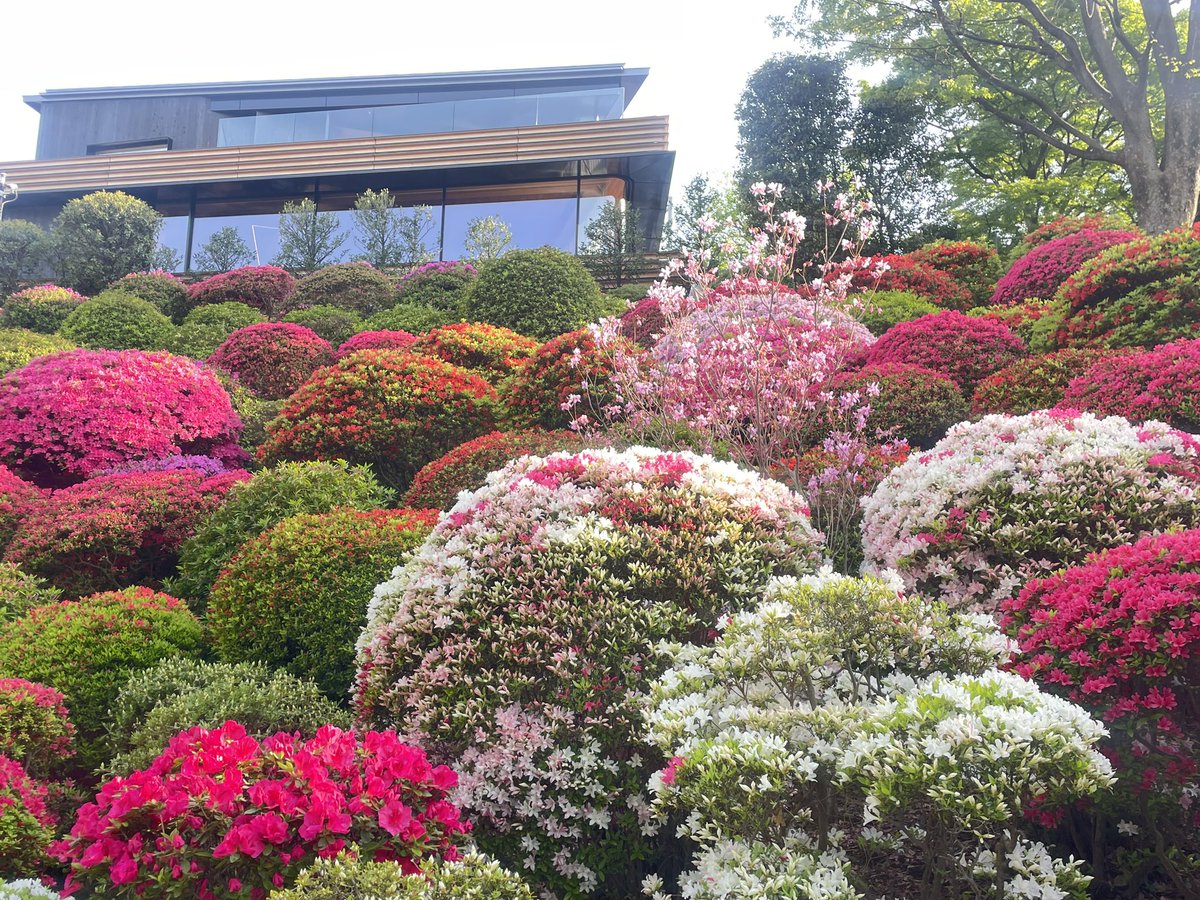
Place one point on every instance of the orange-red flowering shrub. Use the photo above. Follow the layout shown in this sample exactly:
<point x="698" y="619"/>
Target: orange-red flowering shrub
<point x="376" y="340"/>
<point x="904" y="273"/>
<point x="266" y="288"/>
<point x="490" y="351"/>
<point x="272" y="358"/>
<point x="975" y="266"/>
<point x="545" y="392"/>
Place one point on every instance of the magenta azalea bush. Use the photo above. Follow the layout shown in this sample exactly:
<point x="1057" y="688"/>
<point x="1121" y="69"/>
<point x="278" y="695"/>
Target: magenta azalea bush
<point x="17" y="499"/>
<point x="1040" y="272"/>
<point x="42" y="308"/>
<point x="272" y="359"/>
<point x="70" y="416"/>
<point x="266" y="288"/>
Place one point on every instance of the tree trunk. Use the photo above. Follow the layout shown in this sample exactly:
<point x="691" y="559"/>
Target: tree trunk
<point x="1163" y="200"/>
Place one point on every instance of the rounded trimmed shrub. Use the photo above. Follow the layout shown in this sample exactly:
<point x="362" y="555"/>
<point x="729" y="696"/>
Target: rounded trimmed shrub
<point x="88" y="648"/>
<point x="26" y="824"/>
<point x="266" y="288"/>
<point x="197" y="341"/>
<point x="116" y="320"/>
<point x="267" y="498"/>
<point x="880" y="310"/>
<point x="272" y="359"/>
<point x="540" y="393"/>
<point x="1037" y="382"/>
<point x="412" y="318"/>
<point x="229" y="316"/>
<point x="644" y="322"/>
<point x="356" y="286"/>
<point x="903" y="273"/>
<point x="438" y="285"/>
<point x="389" y="409"/>
<point x="18" y="498"/>
<point x="1064" y="225"/>
<point x="960" y="347"/>
<point x="470" y="877"/>
<point x="43" y="308"/>
<point x="178" y="694"/>
<point x="115" y="531"/>
<point x="101" y="236"/>
<point x="1040" y="272"/>
<point x="295" y="597"/>
<point x="1162" y="384"/>
<point x="35" y="727"/>
<point x="541" y="293"/>
<point x="491" y="352"/>
<point x="1023" y="319"/>
<point x="1140" y="294"/>
<point x="18" y="346"/>
<point x="1009" y="498"/>
<point x="332" y="323"/>
<point x="973" y="265"/>
<point x="73" y="415"/>
<point x="375" y="340"/>
<point x="168" y="293"/>
<point x="21" y="592"/>
<point x="518" y="640"/>
<point x="466" y="467"/>
<point x="913" y="403"/>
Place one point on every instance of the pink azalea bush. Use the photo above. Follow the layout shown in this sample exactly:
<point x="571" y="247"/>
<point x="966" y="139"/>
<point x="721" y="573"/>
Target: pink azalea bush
<point x="42" y="308"/>
<point x="266" y="288"/>
<point x="517" y="639"/>
<point x="221" y="815"/>
<point x="1041" y="271"/>
<point x="17" y="498"/>
<point x="72" y="415"/>
<point x="376" y="340"/>
<point x="1009" y="498"/>
<point x="35" y="726"/>
<point x="26" y="824"/>
<point x="272" y="359"/>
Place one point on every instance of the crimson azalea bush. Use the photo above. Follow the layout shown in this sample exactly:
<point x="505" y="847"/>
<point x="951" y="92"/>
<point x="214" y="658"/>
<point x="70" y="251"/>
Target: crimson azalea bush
<point x="1120" y="635"/>
<point x="1006" y="499"/>
<point x="489" y="351"/>
<point x="440" y="285"/>
<point x="517" y="641"/>
<point x="294" y="597"/>
<point x="18" y="346"/>
<point x="272" y="359"/>
<point x="880" y="310"/>
<point x="547" y="390"/>
<point x="960" y="347"/>
<point x="356" y="286"/>
<point x="43" y="308"/>
<point x="390" y="409"/>
<point x="26" y="824"/>
<point x="376" y="340"/>
<point x="17" y="499"/>
<point x="1040" y="272"/>
<point x="220" y="815"/>
<point x="913" y="403"/>
<point x="115" y="531"/>
<point x="35" y="727"/>
<point x="1064" y="225"/>
<point x="1163" y="384"/>
<point x="643" y="322"/>
<point x="266" y="288"/>
<point x="903" y="273"/>
<point x="1139" y="294"/>
<point x="87" y="649"/>
<point x="466" y="467"/>
<point x="73" y="415"/>
<point x="115" y="320"/>
<point x="1038" y="382"/>
<point x="975" y="266"/>
<point x="167" y="292"/>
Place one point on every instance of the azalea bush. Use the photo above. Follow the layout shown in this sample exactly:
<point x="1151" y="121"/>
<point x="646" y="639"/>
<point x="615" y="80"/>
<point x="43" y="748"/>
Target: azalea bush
<point x="26" y="889"/>
<point x="115" y="320"/>
<point x="896" y="272"/>
<point x="438" y="285"/>
<point x="356" y="286"/>
<point x="390" y="409"/>
<point x="43" y="308"/>
<point x="1064" y="225"/>
<point x="73" y="415"/>
<point x="1120" y="635"/>
<point x="1038" y="382"/>
<point x="295" y="597"/>
<point x="17" y="500"/>
<point x="35" y="727"/>
<point x="1040" y="272"/>
<point x="466" y="467"/>
<point x="272" y="359"/>
<point x="471" y="877"/>
<point x="229" y="316"/>
<point x="844" y="737"/>
<point x="907" y="402"/>
<point x="332" y="323"/>
<point x="375" y="340"/>
<point x="266" y="288"/>
<point x="26" y="824"/>
<point x="880" y="310"/>
<point x="546" y="392"/>
<point x="518" y="637"/>
<point x="87" y="649"/>
<point x="540" y="293"/>
<point x="963" y="348"/>
<point x="975" y="266"/>
<point x="1009" y="498"/>
<point x="1029" y="320"/>
<point x="196" y="341"/>
<point x="489" y="351"/>
<point x="222" y="815"/>
<point x="644" y="322"/>
<point x="115" y="531"/>
<point x="167" y="292"/>
<point x="21" y="592"/>
<point x="412" y="317"/>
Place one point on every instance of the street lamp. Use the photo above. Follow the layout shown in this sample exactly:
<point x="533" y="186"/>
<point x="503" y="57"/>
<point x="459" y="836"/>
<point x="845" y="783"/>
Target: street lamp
<point x="8" y="192"/>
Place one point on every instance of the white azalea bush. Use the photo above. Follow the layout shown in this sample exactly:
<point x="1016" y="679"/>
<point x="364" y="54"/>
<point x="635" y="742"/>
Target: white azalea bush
<point x="1006" y="499"/>
<point x="844" y="740"/>
<point x="26" y="889"/>
<point x="517" y="641"/>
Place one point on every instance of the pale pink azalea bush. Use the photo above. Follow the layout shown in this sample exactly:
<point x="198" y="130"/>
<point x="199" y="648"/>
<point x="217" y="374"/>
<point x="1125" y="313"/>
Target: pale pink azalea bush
<point x="1009" y="498"/>
<point x="517" y="639"/>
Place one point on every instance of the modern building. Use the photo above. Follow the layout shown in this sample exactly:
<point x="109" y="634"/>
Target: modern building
<point x="541" y="149"/>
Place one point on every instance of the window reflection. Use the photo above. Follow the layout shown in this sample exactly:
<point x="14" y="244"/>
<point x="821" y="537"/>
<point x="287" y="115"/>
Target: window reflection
<point x="256" y="221"/>
<point x="417" y="217"/>
<point x="173" y="237"/>
<point x="536" y="215"/>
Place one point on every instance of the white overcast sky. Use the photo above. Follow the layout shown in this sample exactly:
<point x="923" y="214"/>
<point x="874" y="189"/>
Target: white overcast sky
<point x="699" y="54"/>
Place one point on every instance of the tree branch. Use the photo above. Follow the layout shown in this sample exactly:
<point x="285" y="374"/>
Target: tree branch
<point x="1099" y="153"/>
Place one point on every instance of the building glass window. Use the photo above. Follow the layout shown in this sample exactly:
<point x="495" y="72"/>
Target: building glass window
<point x="173" y="238"/>
<point x="536" y="215"/>
<point x="419" y="213"/>
<point x="256" y="222"/>
<point x="594" y="195"/>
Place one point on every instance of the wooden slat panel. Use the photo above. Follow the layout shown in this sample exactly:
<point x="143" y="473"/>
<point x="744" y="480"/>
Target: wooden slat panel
<point x="493" y="147"/>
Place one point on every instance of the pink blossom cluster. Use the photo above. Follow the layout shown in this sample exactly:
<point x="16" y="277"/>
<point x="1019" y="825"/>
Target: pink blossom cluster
<point x="35" y="726"/>
<point x="266" y="288"/>
<point x="1162" y="383"/>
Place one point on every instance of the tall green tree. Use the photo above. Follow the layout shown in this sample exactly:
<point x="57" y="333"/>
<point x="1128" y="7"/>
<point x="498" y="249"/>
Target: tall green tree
<point x="308" y="239"/>
<point x="23" y="246"/>
<point x="223" y="251"/>
<point x="99" y="237"/>
<point x="487" y="238"/>
<point x="614" y="242"/>
<point x="380" y="230"/>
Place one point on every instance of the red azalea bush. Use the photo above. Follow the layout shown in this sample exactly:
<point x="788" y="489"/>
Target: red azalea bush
<point x="390" y="409"/>
<point x="272" y="358"/>
<point x="355" y="285"/>
<point x="376" y="340"/>
<point x="903" y="273"/>
<point x="72" y="415"/>
<point x="1036" y="382"/>
<point x="1163" y="384"/>
<point x="466" y="467"/>
<point x="1120" y="635"/>
<point x="913" y="403"/>
<point x="975" y="266"/>
<point x="963" y="348"/>
<point x="35" y="727"/>
<point x="17" y="498"/>
<point x="222" y="815"/>
<point x="266" y="288"/>
<point x="26" y="824"/>
<point x="116" y="530"/>
<point x="643" y="322"/>
<point x="42" y="308"/>
<point x="1040" y="272"/>
<point x="492" y="352"/>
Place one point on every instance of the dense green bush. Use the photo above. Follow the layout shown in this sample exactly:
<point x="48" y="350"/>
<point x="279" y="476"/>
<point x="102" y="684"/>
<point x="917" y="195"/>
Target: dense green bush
<point x="115" y="320"/>
<point x="229" y="315"/>
<point x="440" y="285"/>
<point x="630" y="292"/>
<point x="356" y="286"/>
<point x="23" y="246"/>
<point x="19" y="345"/>
<point x="541" y="293"/>
<point x="335" y="324"/>
<point x="168" y="293"/>
<point x="914" y="403"/>
<point x="473" y="877"/>
<point x="255" y="414"/>
<point x="295" y="597"/>
<point x="269" y="497"/>
<point x="412" y="317"/>
<point x="197" y="341"/>
<point x="87" y="649"/>
<point x="1036" y="382"/>
<point x="43" y="308"/>
<point x="21" y="592"/>
<point x="179" y="693"/>
<point x="880" y="310"/>
<point x="101" y="236"/>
